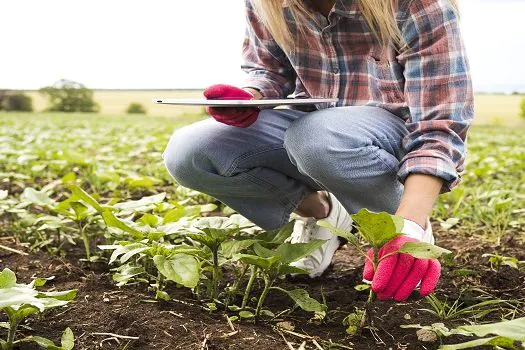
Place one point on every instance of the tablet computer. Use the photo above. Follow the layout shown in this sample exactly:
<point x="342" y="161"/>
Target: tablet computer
<point x="244" y="103"/>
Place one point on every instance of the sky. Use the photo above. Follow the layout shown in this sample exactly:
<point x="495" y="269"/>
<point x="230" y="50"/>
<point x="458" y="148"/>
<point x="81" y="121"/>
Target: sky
<point x="132" y="44"/>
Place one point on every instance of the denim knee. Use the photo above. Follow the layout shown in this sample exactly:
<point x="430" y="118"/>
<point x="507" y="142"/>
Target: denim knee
<point x="313" y="146"/>
<point x="180" y="157"/>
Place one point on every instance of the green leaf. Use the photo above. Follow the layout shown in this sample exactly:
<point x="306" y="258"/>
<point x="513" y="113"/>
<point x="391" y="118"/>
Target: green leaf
<point x="7" y="278"/>
<point x="149" y="219"/>
<point x="263" y="252"/>
<point x="278" y="236"/>
<point x="304" y="301"/>
<point x="174" y="215"/>
<point x="3" y="194"/>
<point x="376" y="228"/>
<point x="69" y="178"/>
<point x="162" y="295"/>
<point x="422" y="250"/>
<point x="143" y="204"/>
<point x="112" y="221"/>
<point x="290" y="252"/>
<point x="68" y="339"/>
<point x="65" y="295"/>
<point x="80" y="210"/>
<point x="349" y="236"/>
<point x="181" y="268"/>
<point x="264" y="263"/>
<point x="41" y="341"/>
<point x="229" y="248"/>
<point x="514" y="329"/>
<point x="81" y="194"/>
<point x="246" y="314"/>
<point x="30" y="195"/>
<point x="502" y="342"/>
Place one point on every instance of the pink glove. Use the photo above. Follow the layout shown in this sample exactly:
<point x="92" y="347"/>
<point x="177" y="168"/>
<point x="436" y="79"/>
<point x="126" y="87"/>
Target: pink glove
<point x="241" y="117"/>
<point x="399" y="274"/>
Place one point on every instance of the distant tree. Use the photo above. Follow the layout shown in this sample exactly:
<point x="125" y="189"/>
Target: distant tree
<point x="136" y="108"/>
<point x="15" y="101"/>
<point x="18" y="101"/>
<point x="69" y="96"/>
<point x="3" y="97"/>
<point x="522" y="112"/>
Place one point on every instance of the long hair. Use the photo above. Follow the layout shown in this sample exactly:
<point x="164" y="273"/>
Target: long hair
<point x="379" y="15"/>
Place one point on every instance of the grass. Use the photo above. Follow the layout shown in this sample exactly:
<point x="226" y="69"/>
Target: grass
<point x="489" y="109"/>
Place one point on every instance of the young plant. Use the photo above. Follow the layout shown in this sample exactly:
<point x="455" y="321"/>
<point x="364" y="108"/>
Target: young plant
<point x="446" y="311"/>
<point x="18" y="301"/>
<point x="275" y="263"/>
<point x="377" y="229"/>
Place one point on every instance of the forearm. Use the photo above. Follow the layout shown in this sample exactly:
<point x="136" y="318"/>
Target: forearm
<point x="421" y="191"/>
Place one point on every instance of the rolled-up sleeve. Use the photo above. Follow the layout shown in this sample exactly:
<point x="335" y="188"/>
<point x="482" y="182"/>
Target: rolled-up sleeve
<point x="438" y="91"/>
<point x="267" y="66"/>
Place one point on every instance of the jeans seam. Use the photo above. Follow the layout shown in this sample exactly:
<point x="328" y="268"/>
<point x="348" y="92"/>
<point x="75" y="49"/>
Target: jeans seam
<point x="378" y="156"/>
<point x="247" y="155"/>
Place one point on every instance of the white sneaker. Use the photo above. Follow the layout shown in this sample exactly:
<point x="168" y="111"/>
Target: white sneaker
<point x="307" y="230"/>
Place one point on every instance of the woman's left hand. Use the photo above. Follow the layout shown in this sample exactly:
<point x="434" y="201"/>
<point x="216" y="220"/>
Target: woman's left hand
<point x="399" y="274"/>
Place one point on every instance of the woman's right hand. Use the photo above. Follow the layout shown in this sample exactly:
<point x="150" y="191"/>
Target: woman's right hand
<point x="241" y="117"/>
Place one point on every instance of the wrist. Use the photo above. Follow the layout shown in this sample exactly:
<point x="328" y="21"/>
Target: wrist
<point x="255" y="93"/>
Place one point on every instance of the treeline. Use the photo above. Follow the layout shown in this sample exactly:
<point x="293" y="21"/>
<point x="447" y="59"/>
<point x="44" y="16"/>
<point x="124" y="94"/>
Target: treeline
<point x="63" y="96"/>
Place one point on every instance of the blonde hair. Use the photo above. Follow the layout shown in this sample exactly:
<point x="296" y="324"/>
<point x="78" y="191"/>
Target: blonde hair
<point x="380" y="16"/>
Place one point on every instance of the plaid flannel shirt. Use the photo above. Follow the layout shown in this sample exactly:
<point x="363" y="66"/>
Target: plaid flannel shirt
<point x="426" y="83"/>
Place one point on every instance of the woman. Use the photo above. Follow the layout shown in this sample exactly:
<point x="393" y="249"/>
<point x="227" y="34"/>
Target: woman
<point x="393" y="142"/>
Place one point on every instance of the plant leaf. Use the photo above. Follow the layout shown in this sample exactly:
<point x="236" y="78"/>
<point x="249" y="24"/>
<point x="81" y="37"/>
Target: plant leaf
<point x="304" y="301"/>
<point x="112" y="221"/>
<point x="376" y="228"/>
<point x="7" y="278"/>
<point x="502" y="342"/>
<point x="422" y="250"/>
<point x="30" y="195"/>
<point x="514" y="329"/>
<point x="181" y="268"/>
<point x="290" y="252"/>
<point x="229" y="248"/>
<point x="68" y="339"/>
<point x="349" y="236"/>
<point x="80" y="193"/>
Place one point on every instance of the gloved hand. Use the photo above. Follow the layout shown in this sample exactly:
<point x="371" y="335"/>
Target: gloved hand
<point x="399" y="274"/>
<point x="241" y="117"/>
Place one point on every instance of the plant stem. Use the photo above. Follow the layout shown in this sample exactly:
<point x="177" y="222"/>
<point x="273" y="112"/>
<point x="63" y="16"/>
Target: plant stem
<point x="11" y="334"/>
<point x="253" y="273"/>
<point x="267" y="284"/>
<point x="215" y="277"/>
<point x="85" y="239"/>
<point x="235" y="286"/>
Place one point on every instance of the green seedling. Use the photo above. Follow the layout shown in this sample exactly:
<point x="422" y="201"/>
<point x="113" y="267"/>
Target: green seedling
<point x="18" y="301"/>
<point x="446" y="311"/>
<point x="497" y="261"/>
<point x="275" y="263"/>
<point x="377" y="229"/>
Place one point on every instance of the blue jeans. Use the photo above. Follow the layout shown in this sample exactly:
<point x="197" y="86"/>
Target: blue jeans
<point x="264" y="171"/>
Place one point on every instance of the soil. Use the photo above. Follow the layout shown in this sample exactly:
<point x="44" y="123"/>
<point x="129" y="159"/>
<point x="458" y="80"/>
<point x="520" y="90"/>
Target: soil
<point x="107" y="317"/>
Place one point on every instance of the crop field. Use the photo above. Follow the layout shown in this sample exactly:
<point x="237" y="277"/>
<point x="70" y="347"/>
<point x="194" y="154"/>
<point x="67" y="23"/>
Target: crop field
<point x="99" y="249"/>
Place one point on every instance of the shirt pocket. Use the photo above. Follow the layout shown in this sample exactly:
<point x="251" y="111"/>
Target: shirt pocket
<point x="385" y="81"/>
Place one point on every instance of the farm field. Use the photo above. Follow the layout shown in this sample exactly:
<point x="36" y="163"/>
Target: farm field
<point x="490" y="108"/>
<point x="86" y="199"/>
